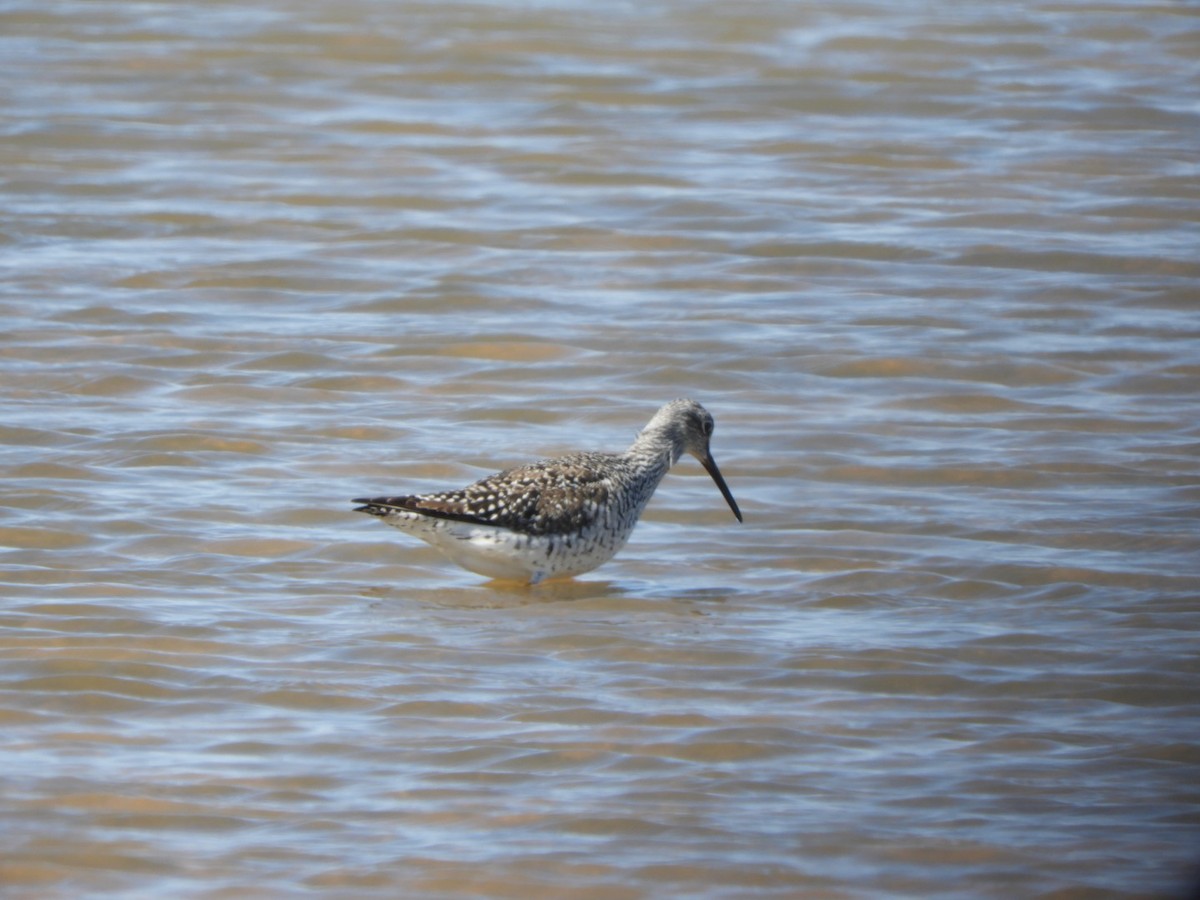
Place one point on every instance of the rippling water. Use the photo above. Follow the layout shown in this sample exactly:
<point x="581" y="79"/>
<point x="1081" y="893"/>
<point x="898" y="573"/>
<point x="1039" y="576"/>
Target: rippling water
<point x="933" y="268"/>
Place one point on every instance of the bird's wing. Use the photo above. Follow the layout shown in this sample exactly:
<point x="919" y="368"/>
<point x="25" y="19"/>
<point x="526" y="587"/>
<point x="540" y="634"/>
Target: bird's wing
<point x="552" y="497"/>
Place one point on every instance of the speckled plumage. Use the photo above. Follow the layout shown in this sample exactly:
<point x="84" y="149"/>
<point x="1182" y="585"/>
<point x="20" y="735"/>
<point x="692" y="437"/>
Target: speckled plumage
<point x="558" y="517"/>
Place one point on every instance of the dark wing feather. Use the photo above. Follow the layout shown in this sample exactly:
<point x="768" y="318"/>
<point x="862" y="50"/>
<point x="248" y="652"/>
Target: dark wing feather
<point x="558" y="496"/>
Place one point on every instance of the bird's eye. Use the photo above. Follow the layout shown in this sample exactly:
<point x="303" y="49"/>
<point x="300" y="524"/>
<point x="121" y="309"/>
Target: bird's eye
<point x="708" y="427"/>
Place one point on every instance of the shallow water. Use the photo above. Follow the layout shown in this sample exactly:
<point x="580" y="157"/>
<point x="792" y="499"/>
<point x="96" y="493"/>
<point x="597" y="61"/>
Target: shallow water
<point x="933" y="270"/>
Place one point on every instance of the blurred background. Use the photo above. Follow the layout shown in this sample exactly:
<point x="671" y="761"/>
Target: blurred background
<point x="932" y="266"/>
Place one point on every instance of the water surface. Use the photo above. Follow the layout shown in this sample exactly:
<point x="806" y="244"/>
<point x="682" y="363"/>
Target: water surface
<point x="933" y="270"/>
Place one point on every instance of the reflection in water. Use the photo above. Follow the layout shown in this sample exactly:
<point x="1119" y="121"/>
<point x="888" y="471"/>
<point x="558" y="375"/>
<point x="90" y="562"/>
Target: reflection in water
<point x="506" y="594"/>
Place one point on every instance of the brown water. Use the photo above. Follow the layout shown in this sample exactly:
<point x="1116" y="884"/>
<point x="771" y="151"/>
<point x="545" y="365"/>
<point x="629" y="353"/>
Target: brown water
<point x="933" y="268"/>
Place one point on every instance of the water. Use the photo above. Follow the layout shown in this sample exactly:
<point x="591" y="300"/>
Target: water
<point x="932" y="268"/>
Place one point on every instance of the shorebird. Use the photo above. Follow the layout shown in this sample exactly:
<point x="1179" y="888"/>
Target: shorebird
<point x="558" y="517"/>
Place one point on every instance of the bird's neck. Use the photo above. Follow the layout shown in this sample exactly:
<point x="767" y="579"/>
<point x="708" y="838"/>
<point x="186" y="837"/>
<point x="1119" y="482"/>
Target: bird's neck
<point x="654" y="451"/>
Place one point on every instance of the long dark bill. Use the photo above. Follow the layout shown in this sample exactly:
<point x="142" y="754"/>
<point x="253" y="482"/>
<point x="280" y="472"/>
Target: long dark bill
<point x="710" y="466"/>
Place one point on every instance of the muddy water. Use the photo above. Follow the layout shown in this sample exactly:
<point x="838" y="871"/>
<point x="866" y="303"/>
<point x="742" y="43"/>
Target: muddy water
<point x="932" y="269"/>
